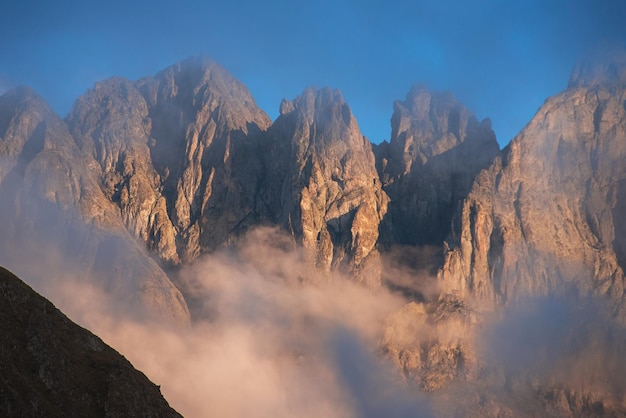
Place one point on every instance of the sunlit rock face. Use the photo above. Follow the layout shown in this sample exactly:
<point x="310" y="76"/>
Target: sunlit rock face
<point x="53" y="367"/>
<point x="437" y="148"/>
<point x="56" y="218"/>
<point x="548" y="215"/>
<point x="175" y="155"/>
<point x="188" y="158"/>
<point x="322" y="183"/>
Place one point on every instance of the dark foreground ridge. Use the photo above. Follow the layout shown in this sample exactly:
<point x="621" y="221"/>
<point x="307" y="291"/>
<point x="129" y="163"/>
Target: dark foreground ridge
<point x="49" y="366"/>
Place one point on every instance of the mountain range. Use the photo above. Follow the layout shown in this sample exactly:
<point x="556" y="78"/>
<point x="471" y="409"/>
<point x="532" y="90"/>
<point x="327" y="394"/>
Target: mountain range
<point x="143" y="178"/>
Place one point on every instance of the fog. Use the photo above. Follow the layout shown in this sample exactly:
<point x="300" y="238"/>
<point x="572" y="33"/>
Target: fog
<point x="271" y="337"/>
<point x="563" y="342"/>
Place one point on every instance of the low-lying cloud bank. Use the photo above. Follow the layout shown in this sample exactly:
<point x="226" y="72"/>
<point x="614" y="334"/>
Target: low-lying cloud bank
<point x="274" y="337"/>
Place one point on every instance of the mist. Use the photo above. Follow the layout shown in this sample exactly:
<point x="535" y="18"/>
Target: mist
<point x="570" y="342"/>
<point x="271" y="337"/>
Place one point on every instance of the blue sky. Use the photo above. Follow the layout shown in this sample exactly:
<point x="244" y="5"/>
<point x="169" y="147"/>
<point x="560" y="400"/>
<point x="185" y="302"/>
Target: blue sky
<point x="502" y="59"/>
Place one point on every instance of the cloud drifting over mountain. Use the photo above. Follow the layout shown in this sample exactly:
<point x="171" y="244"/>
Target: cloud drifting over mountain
<point x="273" y="338"/>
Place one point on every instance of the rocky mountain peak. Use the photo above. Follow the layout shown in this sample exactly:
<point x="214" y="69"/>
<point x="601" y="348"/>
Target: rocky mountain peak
<point x="323" y="107"/>
<point x="421" y="102"/>
<point x="15" y="129"/>
<point x="437" y="147"/>
<point x="319" y="128"/>
<point x="547" y="216"/>
<point x="427" y="124"/>
<point x="168" y="146"/>
<point x="321" y="173"/>
<point x="200" y="85"/>
<point x="53" y="206"/>
<point x="24" y="114"/>
<point x="606" y="67"/>
<point x="321" y="104"/>
<point x="21" y="94"/>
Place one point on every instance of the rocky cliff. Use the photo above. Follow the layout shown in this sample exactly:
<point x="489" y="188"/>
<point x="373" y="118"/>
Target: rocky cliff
<point x="49" y="366"/>
<point x="185" y="157"/>
<point x="547" y="217"/>
<point x="322" y="183"/>
<point x="437" y="148"/>
<point x="175" y="155"/>
<point x="541" y="223"/>
<point x="54" y="211"/>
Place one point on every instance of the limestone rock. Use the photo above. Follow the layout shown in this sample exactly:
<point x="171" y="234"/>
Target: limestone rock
<point x="322" y="180"/>
<point x="54" y="211"/>
<point x="547" y="217"/>
<point x="182" y="157"/>
<point x="111" y="124"/>
<point x="176" y="155"/>
<point x="49" y="366"/>
<point x="437" y="148"/>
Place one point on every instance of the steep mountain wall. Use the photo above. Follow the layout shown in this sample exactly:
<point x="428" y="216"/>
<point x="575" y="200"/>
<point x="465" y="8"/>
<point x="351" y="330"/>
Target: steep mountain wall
<point x="322" y="181"/>
<point x="55" y="215"/>
<point x="437" y="148"/>
<point x="175" y="155"/>
<point x="547" y="217"/>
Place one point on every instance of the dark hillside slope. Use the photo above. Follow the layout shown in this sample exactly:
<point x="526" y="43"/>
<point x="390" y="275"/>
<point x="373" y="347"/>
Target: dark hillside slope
<point x="49" y="366"/>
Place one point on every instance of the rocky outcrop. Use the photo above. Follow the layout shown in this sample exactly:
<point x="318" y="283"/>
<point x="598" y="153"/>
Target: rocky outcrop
<point x="321" y="183"/>
<point x="437" y="148"/>
<point x="55" y="213"/>
<point x="49" y="366"/>
<point x="547" y="217"/>
<point x="175" y="155"/>
<point x="111" y="124"/>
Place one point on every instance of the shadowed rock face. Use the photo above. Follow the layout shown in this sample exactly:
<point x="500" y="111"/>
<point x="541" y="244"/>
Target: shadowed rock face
<point x="49" y="366"/>
<point x="548" y="214"/>
<point x="175" y="155"/>
<point x="437" y="148"/>
<point x="54" y="211"/>
<point x="322" y="182"/>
